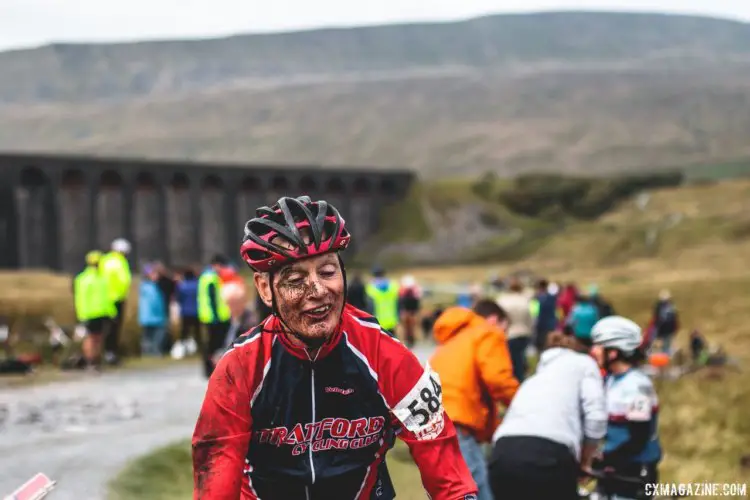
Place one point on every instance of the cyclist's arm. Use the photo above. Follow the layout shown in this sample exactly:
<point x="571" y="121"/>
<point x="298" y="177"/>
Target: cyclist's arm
<point x="594" y="409"/>
<point x="222" y="433"/>
<point x="415" y="397"/>
<point x="495" y="367"/>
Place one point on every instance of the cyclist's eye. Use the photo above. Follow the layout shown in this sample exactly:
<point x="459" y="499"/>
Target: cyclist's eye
<point x="294" y="280"/>
<point x="328" y="271"/>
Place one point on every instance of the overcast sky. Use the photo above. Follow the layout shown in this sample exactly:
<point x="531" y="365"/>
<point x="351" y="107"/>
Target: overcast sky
<point x="35" y="22"/>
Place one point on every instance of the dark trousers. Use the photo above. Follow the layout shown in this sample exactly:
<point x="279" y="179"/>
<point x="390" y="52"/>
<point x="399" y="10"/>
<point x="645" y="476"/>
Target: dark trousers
<point x="517" y="348"/>
<point x="112" y="340"/>
<point x="540" y="338"/>
<point x="525" y="467"/>
<point x="190" y="327"/>
<point x="215" y="335"/>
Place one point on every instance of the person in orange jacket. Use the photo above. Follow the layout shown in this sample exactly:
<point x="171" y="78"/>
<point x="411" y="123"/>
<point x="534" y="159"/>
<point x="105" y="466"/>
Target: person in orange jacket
<point x="476" y="372"/>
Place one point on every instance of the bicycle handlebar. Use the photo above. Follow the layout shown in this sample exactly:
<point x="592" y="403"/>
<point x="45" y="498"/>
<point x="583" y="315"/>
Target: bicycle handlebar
<point x="603" y="474"/>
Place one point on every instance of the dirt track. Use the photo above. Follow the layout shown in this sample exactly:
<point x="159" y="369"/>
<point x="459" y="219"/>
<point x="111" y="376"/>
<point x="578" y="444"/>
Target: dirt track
<point x="81" y="433"/>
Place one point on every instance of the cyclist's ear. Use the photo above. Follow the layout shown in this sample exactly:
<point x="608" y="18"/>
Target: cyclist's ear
<point x="263" y="286"/>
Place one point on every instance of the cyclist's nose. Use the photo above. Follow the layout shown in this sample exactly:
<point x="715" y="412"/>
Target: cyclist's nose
<point x="316" y="287"/>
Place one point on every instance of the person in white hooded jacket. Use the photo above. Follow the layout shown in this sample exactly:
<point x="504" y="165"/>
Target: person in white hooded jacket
<point x="553" y="428"/>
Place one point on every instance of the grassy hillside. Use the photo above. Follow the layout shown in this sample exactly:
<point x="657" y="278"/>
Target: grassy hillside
<point x="84" y="72"/>
<point x="450" y="222"/>
<point x="589" y="121"/>
<point x="574" y="92"/>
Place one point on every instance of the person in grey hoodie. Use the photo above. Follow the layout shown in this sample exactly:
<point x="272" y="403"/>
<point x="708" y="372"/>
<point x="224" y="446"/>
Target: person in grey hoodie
<point x="517" y="306"/>
<point x="553" y="427"/>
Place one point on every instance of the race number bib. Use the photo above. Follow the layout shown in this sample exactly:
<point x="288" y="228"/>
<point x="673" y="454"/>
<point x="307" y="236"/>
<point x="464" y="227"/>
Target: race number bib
<point x="421" y="410"/>
<point x="639" y="409"/>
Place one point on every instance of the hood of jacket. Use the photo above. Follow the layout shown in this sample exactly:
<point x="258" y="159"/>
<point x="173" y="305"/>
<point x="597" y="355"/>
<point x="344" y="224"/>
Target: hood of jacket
<point x="452" y="322"/>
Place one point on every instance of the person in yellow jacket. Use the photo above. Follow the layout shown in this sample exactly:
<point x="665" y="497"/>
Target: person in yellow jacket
<point x="382" y="295"/>
<point x="94" y="307"/>
<point x="476" y="372"/>
<point x="116" y="270"/>
<point x="213" y="311"/>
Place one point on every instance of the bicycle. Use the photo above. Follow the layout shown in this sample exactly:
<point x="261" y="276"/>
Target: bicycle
<point x="593" y="492"/>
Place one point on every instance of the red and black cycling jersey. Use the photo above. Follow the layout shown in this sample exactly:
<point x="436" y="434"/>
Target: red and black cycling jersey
<point x="276" y="425"/>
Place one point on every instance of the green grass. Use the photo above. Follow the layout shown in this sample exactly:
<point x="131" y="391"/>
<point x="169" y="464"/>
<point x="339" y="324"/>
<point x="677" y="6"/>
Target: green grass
<point x="164" y="475"/>
<point x="718" y="171"/>
<point x="167" y="474"/>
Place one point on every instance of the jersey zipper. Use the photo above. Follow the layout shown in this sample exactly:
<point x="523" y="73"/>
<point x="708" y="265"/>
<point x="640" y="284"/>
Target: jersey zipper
<point x="312" y="390"/>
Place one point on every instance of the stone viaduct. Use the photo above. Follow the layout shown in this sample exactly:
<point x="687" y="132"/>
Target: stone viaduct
<point x="53" y="209"/>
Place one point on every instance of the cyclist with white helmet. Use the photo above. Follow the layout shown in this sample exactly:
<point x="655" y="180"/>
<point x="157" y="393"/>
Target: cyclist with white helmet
<point x="632" y="447"/>
<point x="116" y="270"/>
<point x="306" y="404"/>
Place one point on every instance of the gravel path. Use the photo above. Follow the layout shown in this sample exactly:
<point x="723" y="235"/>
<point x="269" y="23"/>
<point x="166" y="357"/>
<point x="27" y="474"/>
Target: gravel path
<point x="81" y="433"/>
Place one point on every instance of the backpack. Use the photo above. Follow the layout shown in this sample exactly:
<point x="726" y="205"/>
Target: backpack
<point x="605" y="308"/>
<point x="409" y="299"/>
<point x="667" y="319"/>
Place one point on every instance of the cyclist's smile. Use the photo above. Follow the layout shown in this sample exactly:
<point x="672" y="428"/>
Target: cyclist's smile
<point x="318" y="313"/>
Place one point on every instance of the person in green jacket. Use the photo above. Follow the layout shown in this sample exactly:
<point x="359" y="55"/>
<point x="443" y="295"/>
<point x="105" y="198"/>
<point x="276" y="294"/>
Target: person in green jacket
<point x="94" y="307"/>
<point x="382" y="294"/>
<point x="116" y="269"/>
<point x="213" y="311"/>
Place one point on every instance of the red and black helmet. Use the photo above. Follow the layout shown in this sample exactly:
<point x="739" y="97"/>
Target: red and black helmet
<point x="292" y="229"/>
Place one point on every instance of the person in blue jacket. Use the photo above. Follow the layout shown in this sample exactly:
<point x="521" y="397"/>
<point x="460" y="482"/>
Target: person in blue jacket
<point x="152" y="314"/>
<point x="190" y="327"/>
<point x="546" y="318"/>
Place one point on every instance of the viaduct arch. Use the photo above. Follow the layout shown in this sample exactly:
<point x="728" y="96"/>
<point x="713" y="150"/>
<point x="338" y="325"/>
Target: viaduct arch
<point x="53" y="209"/>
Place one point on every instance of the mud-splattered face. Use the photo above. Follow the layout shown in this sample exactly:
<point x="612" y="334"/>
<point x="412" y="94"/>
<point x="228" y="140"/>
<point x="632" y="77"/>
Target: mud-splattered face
<point x="309" y="295"/>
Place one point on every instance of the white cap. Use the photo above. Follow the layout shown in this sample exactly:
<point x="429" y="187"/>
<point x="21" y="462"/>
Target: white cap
<point x="553" y="288"/>
<point x="121" y="245"/>
<point x="408" y="281"/>
<point x="617" y="332"/>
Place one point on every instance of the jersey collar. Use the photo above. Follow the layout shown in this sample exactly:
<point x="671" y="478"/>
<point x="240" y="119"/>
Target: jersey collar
<point x="301" y="352"/>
